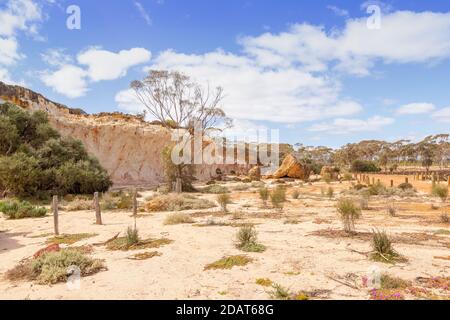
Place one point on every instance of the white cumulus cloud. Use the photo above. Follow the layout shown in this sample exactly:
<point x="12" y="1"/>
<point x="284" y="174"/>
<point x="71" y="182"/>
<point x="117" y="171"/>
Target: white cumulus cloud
<point x="345" y="126"/>
<point x="107" y="65"/>
<point x="72" y="80"/>
<point x="415" y="108"/>
<point x="68" y="80"/>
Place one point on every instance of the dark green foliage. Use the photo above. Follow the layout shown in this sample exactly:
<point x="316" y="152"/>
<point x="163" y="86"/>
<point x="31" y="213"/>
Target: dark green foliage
<point x="21" y="209"/>
<point x="364" y="166"/>
<point x="36" y="162"/>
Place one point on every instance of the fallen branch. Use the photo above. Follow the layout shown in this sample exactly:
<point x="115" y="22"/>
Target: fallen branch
<point x="359" y="252"/>
<point x="107" y="241"/>
<point x="342" y="282"/>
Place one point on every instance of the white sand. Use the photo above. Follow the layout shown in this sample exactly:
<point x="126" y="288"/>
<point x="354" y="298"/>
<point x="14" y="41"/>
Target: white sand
<point x="294" y="259"/>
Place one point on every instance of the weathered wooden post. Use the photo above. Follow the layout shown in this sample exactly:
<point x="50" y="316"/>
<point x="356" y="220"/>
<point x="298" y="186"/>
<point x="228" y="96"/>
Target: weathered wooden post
<point x="448" y="181"/>
<point x="178" y="186"/>
<point x="135" y="205"/>
<point x="392" y="183"/>
<point x="406" y="180"/>
<point x="98" y="212"/>
<point x="55" y="214"/>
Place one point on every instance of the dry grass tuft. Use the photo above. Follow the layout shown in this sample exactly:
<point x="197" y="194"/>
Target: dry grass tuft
<point x="122" y="244"/>
<point x="70" y="238"/>
<point x="229" y="262"/>
<point x="145" y="255"/>
<point x="264" y="282"/>
<point x="178" y="218"/>
<point x="177" y="202"/>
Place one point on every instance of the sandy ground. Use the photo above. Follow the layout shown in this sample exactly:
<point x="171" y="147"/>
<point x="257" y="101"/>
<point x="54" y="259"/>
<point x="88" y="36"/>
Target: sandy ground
<point x="295" y="258"/>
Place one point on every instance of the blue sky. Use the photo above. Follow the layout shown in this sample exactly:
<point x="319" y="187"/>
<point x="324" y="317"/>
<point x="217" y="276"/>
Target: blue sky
<point x="312" y="69"/>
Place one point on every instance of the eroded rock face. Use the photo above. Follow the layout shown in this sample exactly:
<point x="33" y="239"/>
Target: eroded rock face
<point x="292" y="168"/>
<point x="128" y="147"/>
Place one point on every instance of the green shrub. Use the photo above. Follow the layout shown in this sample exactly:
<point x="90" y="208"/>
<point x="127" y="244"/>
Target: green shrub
<point x="349" y="212"/>
<point x="364" y="166"/>
<point x="41" y="163"/>
<point x="440" y="191"/>
<point x="132" y="236"/>
<point x="377" y="189"/>
<point x="14" y="209"/>
<point x="53" y="267"/>
<point x="247" y="239"/>
<point x="278" y="197"/>
<point x="264" y="195"/>
<point x="382" y="248"/>
<point x="223" y="200"/>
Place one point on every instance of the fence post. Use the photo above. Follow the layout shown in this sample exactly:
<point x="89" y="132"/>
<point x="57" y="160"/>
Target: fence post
<point x="406" y="180"/>
<point x="55" y="214"/>
<point x="135" y="202"/>
<point x="178" y="186"/>
<point x="98" y="212"/>
<point x="392" y="183"/>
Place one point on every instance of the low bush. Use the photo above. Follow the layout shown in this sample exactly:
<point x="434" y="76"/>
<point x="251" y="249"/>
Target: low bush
<point x="377" y="189"/>
<point x="224" y="200"/>
<point x="349" y="212"/>
<point x="247" y="240"/>
<point x="278" y="197"/>
<point x="132" y="236"/>
<point x="264" y="195"/>
<point x="295" y="194"/>
<point x="440" y="191"/>
<point x="382" y="248"/>
<point x="14" y="209"/>
<point x="177" y="202"/>
<point x="53" y="267"/>
<point x="178" y="218"/>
